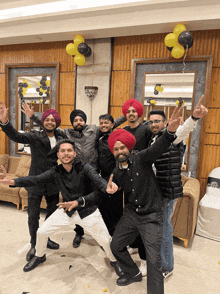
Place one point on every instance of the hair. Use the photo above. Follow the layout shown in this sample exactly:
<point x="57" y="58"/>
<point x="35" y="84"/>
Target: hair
<point x="63" y="141"/>
<point x="157" y="111"/>
<point x="107" y="116"/>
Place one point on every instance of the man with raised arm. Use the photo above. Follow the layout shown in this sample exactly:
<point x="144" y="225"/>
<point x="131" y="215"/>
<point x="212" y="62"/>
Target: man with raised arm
<point x="75" y="180"/>
<point x="143" y="212"/>
<point x="40" y="142"/>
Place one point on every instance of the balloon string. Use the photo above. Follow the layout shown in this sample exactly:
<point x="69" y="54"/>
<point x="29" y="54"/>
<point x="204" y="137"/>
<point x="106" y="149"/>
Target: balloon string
<point x="184" y="64"/>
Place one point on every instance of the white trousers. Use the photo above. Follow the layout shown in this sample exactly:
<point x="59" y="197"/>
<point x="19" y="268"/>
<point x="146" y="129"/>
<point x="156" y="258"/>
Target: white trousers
<point x="93" y="224"/>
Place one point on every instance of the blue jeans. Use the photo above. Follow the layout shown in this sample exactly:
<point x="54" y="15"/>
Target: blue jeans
<point x="167" y="259"/>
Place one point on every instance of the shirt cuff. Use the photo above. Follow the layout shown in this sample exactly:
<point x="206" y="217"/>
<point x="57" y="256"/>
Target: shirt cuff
<point x="195" y="118"/>
<point x="5" y="123"/>
<point x="81" y="201"/>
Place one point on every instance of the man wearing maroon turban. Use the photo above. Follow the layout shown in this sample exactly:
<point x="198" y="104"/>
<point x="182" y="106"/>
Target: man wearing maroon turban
<point x="143" y="210"/>
<point x="40" y="142"/>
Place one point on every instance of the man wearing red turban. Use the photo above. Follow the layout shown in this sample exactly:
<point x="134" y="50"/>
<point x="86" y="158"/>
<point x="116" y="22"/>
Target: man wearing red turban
<point x="143" y="210"/>
<point x="40" y="142"/>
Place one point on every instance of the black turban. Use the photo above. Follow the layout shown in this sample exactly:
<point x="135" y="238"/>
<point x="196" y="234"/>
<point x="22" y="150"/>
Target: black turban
<point x="77" y="112"/>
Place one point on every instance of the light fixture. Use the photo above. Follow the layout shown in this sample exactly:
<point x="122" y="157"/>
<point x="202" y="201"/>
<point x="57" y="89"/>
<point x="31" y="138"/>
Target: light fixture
<point x="91" y="91"/>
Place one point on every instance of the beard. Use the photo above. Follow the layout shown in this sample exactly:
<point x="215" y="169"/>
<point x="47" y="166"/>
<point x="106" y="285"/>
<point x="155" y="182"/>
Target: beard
<point x="123" y="159"/>
<point x="79" y="128"/>
<point x="49" y="131"/>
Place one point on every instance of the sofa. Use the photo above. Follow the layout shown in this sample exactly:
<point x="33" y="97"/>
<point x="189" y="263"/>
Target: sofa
<point x="186" y="210"/>
<point x="16" y="167"/>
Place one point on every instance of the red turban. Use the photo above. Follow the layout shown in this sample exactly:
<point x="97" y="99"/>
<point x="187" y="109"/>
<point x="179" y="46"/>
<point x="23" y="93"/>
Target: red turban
<point x="136" y="104"/>
<point x="54" y="114"/>
<point x="123" y="136"/>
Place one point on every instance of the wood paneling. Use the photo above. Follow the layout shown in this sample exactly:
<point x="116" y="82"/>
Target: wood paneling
<point x="65" y="111"/>
<point x="2" y="144"/>
<point x="203" y="184"/>
<point x="120" y="87"/>
<point x="2" y="87"/>
<point x="116" y="112"/>
<point x="213" y="121"/>
<point x="214" y="97"/>
<point x="211" y="159"/>
<point x="212" y="139"/>
<point x="67" y="89"/>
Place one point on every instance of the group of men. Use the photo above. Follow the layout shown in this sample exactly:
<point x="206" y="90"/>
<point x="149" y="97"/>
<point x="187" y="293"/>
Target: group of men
<point x="99" y="165"/>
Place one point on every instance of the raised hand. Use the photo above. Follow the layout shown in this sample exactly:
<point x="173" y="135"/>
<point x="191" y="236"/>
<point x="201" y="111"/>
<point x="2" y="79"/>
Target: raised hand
<point x="175" y="120"/>
<point x="3" y="113"/>
<point x="67" y="205"/>
<point x="4" y="179"/>
<point x="200" y="111"/>
<point x="112" y="187"/>
<point x="27" y="110"/>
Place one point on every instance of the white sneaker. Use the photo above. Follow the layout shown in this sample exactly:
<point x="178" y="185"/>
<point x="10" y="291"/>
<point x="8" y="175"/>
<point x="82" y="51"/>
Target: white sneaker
<point x="143" y="268"/>
<point x="132" y="250"/>
<point x="166" y="275"/>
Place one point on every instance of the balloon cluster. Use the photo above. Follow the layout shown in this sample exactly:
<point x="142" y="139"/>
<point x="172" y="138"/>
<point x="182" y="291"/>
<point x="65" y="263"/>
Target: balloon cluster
<point x="22" y="88"/>
<point x="158" y="89"/>
<point x="44" y="88"/>
<point x="178" y="41"/>
<point x="79" y="50"/>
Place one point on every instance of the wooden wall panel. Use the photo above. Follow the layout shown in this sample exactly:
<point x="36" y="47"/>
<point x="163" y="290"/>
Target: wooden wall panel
<point x="211" y="160"/>
<point x="120" y="87"/>
<point x="203" y="184"/>
<point x="67" y="89"/>
<point x="37" y="52"/>
<point x="212" y="139"/>
<point x="213" y="121"/>
<point x="2" y="87"/>
<point x="214" y="97"/>
<point x="116" y="112"/>
<point x="65" y="111"/>
<point x="2" y="142"/>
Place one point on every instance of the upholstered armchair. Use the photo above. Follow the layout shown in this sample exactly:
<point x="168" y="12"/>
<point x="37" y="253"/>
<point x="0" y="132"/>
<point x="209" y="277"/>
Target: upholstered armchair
<point x="186" y="210"/>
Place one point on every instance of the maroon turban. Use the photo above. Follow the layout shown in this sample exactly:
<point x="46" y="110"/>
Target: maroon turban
<point x="123" y="136"/>
<point x="136" y="104"/>
<point x="54" y="114"/>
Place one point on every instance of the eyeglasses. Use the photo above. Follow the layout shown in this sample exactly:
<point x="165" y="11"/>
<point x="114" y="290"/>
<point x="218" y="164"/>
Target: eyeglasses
<point x="156" y="121"/>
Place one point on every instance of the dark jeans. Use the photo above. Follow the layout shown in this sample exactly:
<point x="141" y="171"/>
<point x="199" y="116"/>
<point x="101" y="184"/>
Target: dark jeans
<point x="150" y="228"/>
<point x="34" y="201"/>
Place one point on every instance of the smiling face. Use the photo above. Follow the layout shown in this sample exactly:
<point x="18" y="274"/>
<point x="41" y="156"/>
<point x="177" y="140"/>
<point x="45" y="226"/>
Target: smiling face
<point x="78" y="123"/>
<point x="105" y="125"/>
<point x="50" y="123"/>
<point x="66" y="153"/>
<point x="132" y="115"/>
<point x="120" y="152"/>
<point x="156" y="123"/>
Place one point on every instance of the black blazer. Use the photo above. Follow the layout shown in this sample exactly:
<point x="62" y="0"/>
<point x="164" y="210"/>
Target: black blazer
<point x="40" y="146"/>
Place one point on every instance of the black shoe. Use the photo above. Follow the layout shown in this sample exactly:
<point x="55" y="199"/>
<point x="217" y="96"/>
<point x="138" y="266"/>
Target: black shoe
<point x="77" y="240"/>
<point x="34" y="263"/>
<point x="52" y="245"/>
<point x="116" y="266"/>
<point x="30" y="253"/>
<point x="126" y="280"/>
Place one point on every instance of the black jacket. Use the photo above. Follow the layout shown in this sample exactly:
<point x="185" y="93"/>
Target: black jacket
<point x="40" y="146"/>
<point x="79" y="182"/>
<point x="168" y="170"/>
<point x="138" y="181"/>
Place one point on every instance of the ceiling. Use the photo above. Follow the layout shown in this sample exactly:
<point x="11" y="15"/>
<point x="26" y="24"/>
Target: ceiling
<point x="138" y="18"/>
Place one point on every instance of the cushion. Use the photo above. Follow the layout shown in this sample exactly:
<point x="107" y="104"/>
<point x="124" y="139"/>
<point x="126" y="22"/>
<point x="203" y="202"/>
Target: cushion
<point x="4" y="161"/>
<point x="23" y="166"/>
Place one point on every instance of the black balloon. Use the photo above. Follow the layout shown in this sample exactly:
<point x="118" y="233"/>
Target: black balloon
<point x="88" y="53"/>
<point x="37" y="89"/>
<point x="189" y="45"/>
<point x="83" y="48"/>
<point x="20" y="84"/>
<point x="25" y="85"/>
<point x="185" y="38"/>
<point x="169" y="48"/>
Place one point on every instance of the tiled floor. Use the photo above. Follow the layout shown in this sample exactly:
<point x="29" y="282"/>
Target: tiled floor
<point x="86" y="270"/>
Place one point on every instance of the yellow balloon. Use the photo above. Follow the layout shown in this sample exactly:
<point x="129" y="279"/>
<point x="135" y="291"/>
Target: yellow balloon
<point x="29" y="85"/>
<point x="38" y="83"/>
<point x="71" y="49"/>
<point x="41" y="100"/>
<point x="177" y="51"/>
<point x="41" y="90"/>
<point x="47" y="83"/>
<point x="24" y="81"/>
<point x="78" y="39"/>
<point x="179" y="29"/>
<point x="79" y="59"/>
<point x="171" y="40"/>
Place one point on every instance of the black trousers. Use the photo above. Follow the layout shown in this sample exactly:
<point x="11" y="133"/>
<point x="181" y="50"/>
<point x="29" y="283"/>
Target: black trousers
<point x="111" y="209"/>
<point x="150" y="228"/>
<point x="34" y="201"/>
